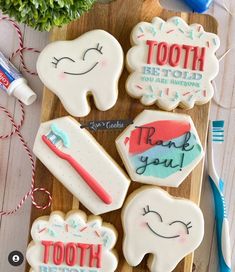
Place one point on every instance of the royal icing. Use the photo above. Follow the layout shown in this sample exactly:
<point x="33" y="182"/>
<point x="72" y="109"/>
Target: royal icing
<point x="111" y="183"/>
<point x="71" y="244"/>
<point x="167" y="228"/>
<point x="160" y="148"/>
<point x="172" y="63"/>
<point x="88" y="65"/>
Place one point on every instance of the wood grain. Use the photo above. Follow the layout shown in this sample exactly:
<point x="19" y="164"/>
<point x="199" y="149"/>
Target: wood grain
<point x="15" y="171"/>
<point x="119" y="18"/>
<point x="12" y="237"/>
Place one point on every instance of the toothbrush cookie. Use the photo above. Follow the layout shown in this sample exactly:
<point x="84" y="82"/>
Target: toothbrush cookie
<point x="71" y="243"/>
<point x="75" y="158"/>
<point x="158" y="224"/>
<point x="172" y="63"/>
<point x="88" y="65"/>
<point x="160" y="148"/>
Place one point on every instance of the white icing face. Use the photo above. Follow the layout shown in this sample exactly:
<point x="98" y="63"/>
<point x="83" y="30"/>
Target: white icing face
<point x="88" y="65"/>
<point x="168" y="228"/>
<point x="85" y="150"/>
<point x="172" y="63"/>
<point x="160" y="148"/>
<point x="71" y="244"/>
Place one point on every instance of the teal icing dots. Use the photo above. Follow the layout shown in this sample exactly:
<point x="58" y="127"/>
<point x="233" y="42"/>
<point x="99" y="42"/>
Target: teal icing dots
<point x="181" y="30"/>
<point x="93" y="224"/>
<point x="176" y="21"/>
<point x="106" y="241"/>
<point x="200" y="35"/>
<point x="52" y="233"/>
<point x="191" y="34"/>
<point x="73" y="223"/>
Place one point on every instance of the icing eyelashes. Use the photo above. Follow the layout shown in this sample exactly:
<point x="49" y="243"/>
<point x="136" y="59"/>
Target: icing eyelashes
<point x="56" y="61"/>
<point x="147" y="210"/>
<point x="187" y="226"/>
<point x="98" y="48"/>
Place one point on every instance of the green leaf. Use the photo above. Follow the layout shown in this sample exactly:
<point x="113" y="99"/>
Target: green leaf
<point x="44" y="14"/>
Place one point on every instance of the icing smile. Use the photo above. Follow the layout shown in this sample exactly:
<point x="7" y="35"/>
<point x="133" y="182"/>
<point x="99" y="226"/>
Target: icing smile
<point x="162" y="236"/>
<point x="56" y="62"/>
<point x="159" y="217"/>
<point x="82" y="73"/>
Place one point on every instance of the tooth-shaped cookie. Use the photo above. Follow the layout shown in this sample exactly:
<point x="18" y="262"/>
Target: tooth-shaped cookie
<point x="168" y="228"/>
<point x="71" y="243"/>
<point x="172" y="63"/>
<point x="88" y="65"/>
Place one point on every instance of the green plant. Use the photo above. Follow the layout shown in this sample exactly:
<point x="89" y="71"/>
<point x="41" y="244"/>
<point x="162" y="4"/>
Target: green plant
<point x="44" y="14"/>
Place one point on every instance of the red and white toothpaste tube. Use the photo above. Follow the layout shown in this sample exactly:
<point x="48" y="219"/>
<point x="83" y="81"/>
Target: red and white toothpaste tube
<point x="13" y="82"/>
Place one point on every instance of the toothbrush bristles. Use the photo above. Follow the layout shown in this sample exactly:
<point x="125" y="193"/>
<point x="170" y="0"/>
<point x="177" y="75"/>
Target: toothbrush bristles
<point x="218" y="131"/>
<point x="54" y="139"/>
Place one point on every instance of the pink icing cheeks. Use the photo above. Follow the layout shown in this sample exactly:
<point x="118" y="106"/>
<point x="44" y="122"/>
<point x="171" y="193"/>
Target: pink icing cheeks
<point x="143" y="224"/>
<point x="183" y="237"/>
<point x="104" y="63"/>
<point x="62" y="76"/>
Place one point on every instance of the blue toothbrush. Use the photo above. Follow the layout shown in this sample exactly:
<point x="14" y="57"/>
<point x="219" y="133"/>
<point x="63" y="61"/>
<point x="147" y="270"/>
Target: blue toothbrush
<point x="199" y="5"/>
<point x="216" y="135"/>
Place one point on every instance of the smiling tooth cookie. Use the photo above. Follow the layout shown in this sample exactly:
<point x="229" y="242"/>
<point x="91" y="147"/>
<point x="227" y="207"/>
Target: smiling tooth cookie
<point x="156" y="223"/>
<point x="71" y="244"/>
<point x="172" y="63"/>
<point x="88" y="65"/>
<point x="67" y="136"/>
<point x="160" y="148"/>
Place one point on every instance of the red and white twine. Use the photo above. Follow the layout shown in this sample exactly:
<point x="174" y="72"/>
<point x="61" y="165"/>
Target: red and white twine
<point x="21" y="48"/>
<point x="16" y="129"/>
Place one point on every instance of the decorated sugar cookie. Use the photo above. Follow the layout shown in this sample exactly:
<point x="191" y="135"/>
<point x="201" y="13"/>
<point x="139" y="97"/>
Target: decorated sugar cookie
<point x="160" y="148"/>
<point x="75" y="158"/>
<point x="156" y="223"/>
<point x="71" y="243"/>
<point x="88" y="65"/>
<point x="172" y="63"/>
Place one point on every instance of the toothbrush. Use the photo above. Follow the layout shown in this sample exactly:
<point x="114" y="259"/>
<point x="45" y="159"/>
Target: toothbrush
<point x="199" y="6"/>
<point x="216" y="135"/>
<point x="57" y="139"/>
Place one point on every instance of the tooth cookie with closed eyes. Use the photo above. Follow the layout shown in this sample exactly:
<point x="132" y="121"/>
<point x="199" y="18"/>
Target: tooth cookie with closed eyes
<point x="172" y="63"/>
<point x="88" y="65"/>
<point x="158" y="224"/>
<point x="72" y="243"/>
<point x="160" y="148"/>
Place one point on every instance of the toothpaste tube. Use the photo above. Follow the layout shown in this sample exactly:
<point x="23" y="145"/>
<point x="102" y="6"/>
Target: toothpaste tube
<point x="13" y="83"/>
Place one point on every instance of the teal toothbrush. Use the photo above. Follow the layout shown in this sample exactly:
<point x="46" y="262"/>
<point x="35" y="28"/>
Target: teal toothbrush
<point x="216" y="136"/>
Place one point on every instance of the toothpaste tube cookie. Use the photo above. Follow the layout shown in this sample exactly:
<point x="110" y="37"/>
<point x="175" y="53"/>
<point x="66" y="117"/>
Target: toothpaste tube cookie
<point x="88" y="65"/>
<point x="158" y="224"/>
<point x="160" y="148"/>
<point x="172" y="63"/>
<point x="72" y="243"/>
<point x="75" y="158"/>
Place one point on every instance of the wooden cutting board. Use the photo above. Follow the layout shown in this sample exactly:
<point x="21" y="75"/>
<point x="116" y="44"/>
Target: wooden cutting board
<point x="118" y="18"/>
